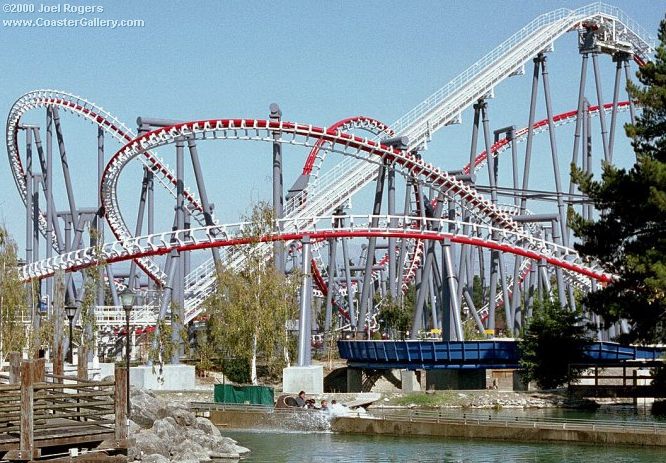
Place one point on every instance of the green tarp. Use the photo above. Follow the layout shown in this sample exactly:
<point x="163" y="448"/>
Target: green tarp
<point x="254" y="395"/>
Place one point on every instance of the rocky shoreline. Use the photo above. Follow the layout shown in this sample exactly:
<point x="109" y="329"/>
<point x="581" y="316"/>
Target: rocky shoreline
<point x="167" y="431"/>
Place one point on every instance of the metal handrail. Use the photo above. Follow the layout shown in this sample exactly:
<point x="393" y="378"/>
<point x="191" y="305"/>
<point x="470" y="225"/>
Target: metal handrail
<point x="535" y="422"/>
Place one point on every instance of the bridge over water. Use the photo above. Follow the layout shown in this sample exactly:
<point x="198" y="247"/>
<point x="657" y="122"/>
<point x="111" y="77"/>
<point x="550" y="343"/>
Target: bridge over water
<point x="487" y="354"/>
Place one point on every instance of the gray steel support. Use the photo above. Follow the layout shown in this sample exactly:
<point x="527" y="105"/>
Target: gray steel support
<point x="177" y="306"/>
<point x="616" y="95"/>
<point x="350" y="290"/>
<point x="494" y="267"/>
<point x="305" y="312"/>
<point x="203" y="194"/>
<point x="600" y="102"/>
<point x="332" y="245"/>
<point x="133" y="279"/>
<point x="473" y="310"/>
<point x="112" y="286"/>
<point x="48" y="186"/>
<point x="545" y="281"/>
<point x="632" y="109"/>
<point x="553" y="149"/>
<point x="369" y="261"/>
<point x="475" y="135"/>
<point x="534" y="277"/>
<point x="278" y="196"/>
<point x="454" y="309"/>
<point x="36" y="183"/>
<point x="64" y="163"/>
<point x="43" y="164"/>
<point x="508" y="314"/>
<point x="28" y="199"/>
<point x="588" y="155"/>
<point x="561" y="294"/>
<point x="187" y="264"/>
<point x="409" y="188"/>
<point x="150" y="200"/>
<point x="68" y="231"/>
<point x="516" y="295"/>
<point x="99" y="223"/>
<point x="171" y="266"/>
<point x="514" y="165"/>
<point x="422" y="290"/>
<point x="530" y="131"/>
<point x="491" y="160"/>
<point x="435" y="321"/>
<point x="580" y="118"/>
<point x="393" y="284"/>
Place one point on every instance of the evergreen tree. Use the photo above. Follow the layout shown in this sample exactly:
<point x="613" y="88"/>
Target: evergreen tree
<point x="629" y="237"/>
<point x="553" y="342"/>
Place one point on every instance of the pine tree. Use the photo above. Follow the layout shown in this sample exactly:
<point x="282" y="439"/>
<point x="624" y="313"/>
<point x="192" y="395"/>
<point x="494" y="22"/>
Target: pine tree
<point x="629" y="237"/>
<point x="551" y="345"/>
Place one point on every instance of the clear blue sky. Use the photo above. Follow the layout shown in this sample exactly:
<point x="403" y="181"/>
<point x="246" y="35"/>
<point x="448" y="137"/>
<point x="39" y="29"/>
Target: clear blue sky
<point x="321" y="61"/>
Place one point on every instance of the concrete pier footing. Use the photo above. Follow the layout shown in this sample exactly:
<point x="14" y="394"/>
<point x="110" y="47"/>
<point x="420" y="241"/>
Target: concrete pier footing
<point x="309" y="379"/>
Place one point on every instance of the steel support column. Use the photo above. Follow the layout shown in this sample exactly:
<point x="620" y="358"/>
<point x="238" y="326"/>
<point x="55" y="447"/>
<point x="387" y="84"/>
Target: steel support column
<point x="553" y="150"/>
<point x="278" y="196"/>
<point x="600" y="102"/>
<point x="177" y="288"/>
<point x="203" y="194"/>
<point x="393" y="284"/>
<point x="332" y="245"/>
<point x="305" y="312"/>
<point x="372" y="242"/>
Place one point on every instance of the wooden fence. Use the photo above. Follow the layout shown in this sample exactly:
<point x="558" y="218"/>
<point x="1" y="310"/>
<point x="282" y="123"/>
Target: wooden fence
<point x="47" y="414"/>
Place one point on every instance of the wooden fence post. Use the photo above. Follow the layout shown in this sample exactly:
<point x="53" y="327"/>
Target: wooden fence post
<point x="39" y="371"/>
<point x="58" y="366"/>
<point x="14" y="367"/>
<point x="121" y="402"/>
<point x="82" y="364"/>
<point x="26" y="444"/>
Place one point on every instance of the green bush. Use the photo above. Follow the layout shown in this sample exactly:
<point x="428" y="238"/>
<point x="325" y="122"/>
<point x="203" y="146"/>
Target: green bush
<point x="237" y="370"/>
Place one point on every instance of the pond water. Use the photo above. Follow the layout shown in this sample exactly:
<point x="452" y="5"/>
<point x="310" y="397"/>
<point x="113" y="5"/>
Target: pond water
<point x="305" y="446"/>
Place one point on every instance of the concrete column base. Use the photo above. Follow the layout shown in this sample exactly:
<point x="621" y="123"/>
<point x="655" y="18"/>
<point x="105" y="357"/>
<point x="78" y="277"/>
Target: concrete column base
<point x="456" y="379"/>
<point x="409" y="381"/>
<point x="309" y="379"/>
<point x="354" y="379"/>
<point x="173" y="377"/>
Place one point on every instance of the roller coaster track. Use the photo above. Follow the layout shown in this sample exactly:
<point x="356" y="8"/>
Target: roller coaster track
<point x="333" y="188"/>
<point x="336" y="186"/>
<point x="497" y="148"/>
<point x="111" y="125"/>
<point x="320" y="228"/>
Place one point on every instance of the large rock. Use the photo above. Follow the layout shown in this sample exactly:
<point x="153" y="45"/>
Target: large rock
<point x="207" y="426"/>
<point x="170" y="432"/>
<point x="155" y="458"/>
<point x="182" y="415"/>
<point x="146" y="407"/>
<point x="148" y="443"/>
<point x="189" y="452"/>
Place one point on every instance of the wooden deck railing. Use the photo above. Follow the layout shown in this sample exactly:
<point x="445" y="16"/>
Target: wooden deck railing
<point x="39" y="410"/>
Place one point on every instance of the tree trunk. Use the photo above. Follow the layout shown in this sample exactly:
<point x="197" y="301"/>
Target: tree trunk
<point x="253" y="363"/>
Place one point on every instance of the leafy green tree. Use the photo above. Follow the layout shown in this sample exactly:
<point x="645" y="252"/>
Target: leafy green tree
<point x="553" y="341"/>
<point x="250" y="307"/>
<point x="13" y="336"/>
<point x="629" y="238"/>
<point x="87" y="338"/>
<point x="395" y="316"/>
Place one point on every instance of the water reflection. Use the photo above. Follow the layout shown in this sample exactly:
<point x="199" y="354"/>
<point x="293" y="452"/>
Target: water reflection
<point x="277" y="447"/>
